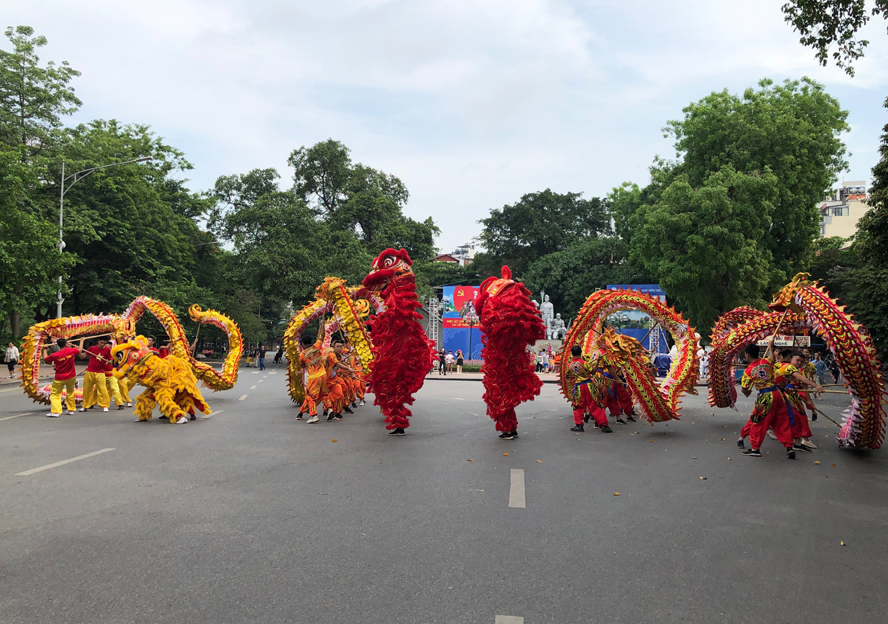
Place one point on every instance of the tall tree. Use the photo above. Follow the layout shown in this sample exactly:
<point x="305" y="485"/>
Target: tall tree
<point x="33" y="97"/>
<point x="827" y="23"/>
<point x="321" y="175"/>
<point x="793" y="129"/>
<point x="569" y="276"/>
<point x="702" y="244"/>
<point x="540" y="224"/>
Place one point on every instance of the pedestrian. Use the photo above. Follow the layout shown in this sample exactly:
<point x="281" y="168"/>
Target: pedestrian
<point x="539" y="359"/>
<point x="12" y="356"/>
<point x="544" y="362"/>
<point x="95" y="387"/>
<point x="459" y="361"/>
<point x="449" y="359"/>
<point x="64" y="378"/>
<point x="279" y="356"/>
<point x="442" y="356"/>
<point x="260" y="354"/>
<point x="820" y="368"/>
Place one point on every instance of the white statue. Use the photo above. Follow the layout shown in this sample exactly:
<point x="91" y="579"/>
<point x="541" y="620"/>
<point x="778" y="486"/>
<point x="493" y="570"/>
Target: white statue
<point x="547" y="310"/>
<point x="557" y="329"/>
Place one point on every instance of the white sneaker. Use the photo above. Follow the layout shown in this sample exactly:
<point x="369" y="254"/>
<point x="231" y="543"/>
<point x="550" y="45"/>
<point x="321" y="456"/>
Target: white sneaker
<point x="312" y="420"/>
<point x="182" y="420"/>
<point x="82" y="409"/>
<point x="129" y="404"/>
<point x="809" y="444"/>
<point x="104" y="409"/>
<point x="70" y="413"/>
<point x="771" y="435"/>
<point x="139" y="420"/>
<point x="53" y="415"/>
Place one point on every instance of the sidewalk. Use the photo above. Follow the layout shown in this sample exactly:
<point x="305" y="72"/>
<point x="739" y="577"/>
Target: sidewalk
<point x="47" y="373"/>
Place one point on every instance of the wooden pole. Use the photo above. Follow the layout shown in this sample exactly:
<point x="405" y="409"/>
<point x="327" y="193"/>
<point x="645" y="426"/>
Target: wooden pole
<point x="776" y="331"/>
<point x="827" y="417"/>
<point x="196" y="334"/>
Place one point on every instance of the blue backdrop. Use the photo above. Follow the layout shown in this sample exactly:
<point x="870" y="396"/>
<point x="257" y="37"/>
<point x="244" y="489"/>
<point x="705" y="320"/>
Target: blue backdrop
<point x="454" y="338"/>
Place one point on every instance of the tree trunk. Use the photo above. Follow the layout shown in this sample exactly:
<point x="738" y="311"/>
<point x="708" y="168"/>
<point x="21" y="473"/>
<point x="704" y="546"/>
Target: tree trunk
<point x="15" y="319"/>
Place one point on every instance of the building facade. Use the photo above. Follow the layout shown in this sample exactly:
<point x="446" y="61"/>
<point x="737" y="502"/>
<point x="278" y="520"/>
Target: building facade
<point x="840" y="212"/>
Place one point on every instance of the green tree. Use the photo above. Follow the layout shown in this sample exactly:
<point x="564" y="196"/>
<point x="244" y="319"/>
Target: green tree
<point x="569" y="276"/>
<point x="792" y="129"/>
<point x="537" y="225"/>
<point x="128" y="226"/>
<point x="33" y="98"/>
<point x="702" y="244"/>
<point x="30" y="261"/>
<point x="823" y="24"/>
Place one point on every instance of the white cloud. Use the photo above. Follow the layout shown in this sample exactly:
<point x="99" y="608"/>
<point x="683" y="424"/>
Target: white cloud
<point x="472" y="103"/>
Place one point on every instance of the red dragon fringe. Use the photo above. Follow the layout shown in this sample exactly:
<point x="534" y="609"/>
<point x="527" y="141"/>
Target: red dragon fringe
<point x="511" y="323"/>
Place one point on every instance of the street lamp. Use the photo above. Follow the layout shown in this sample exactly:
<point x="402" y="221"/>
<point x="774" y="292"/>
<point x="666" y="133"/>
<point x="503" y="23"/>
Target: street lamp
<point x="75" y="178"/>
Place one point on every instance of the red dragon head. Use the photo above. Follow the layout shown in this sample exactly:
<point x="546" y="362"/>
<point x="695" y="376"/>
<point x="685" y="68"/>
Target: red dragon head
<point x="387" y="266"/>
<point x="493" y="286"/>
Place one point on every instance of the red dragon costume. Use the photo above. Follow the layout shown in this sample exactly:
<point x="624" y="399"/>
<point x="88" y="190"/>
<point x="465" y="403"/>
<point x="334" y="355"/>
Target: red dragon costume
<point x="402" y="355"/>
<point x="511" y="323"/>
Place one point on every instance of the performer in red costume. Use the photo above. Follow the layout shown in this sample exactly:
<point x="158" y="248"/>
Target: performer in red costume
<point x="402" y="355"/>
<point x="511" y="323"/>
<point x="588" y="393"/>
<point x="769" y="410"/>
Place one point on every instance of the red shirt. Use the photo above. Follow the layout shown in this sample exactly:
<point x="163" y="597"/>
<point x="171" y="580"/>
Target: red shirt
<point x="97" y="365"/>
<point x="64" y="363"/>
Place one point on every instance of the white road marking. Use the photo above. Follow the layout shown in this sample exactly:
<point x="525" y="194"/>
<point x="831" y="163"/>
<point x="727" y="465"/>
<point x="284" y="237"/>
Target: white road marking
<point x="16" y="416"/>
<point x="509" y="619"/>
<point x="457" y="399"/>
<point x="516" y="492"/>
<point x="261" y="380"/>
<point x="254" y="373"/>
<point x="62" y="463"/>
<point x="253" y="387"/>
<point x="273" y="373"/>
<point x="11" y="390"/>
<point x="243" y="397"/>
<point x="208" y="416"/>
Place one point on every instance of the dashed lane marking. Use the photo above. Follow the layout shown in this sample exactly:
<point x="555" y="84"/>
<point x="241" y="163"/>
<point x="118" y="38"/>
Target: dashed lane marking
<point x="253" y="387"/>
<point x="62" y="463"/>
<point x="243" y="397"/>
<point x="16" y="416"/>
<point x="509" y="619"/>
<point x="516" y="492"/>
<point x="254" y="373"/>
<point x="273" y="373"/>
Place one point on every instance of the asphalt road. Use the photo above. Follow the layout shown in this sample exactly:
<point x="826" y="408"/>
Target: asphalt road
<point x="251" y="516"/>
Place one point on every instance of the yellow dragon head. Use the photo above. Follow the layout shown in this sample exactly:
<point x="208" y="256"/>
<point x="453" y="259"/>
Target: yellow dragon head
<point x="130" y="354"/>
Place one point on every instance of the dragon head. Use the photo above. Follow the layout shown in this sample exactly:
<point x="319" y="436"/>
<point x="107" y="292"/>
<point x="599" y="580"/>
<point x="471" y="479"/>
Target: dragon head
<point x="129" y="354"/>
<point x="387" y="266"/>
<point x="785" y="297"/>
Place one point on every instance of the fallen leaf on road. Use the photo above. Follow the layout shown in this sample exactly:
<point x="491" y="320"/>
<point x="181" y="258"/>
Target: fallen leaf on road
<point x="479" y="490"/>
<point x="833" y="465"/>
<point x="693" y="458"/>
<point x="650" y="440"/>
<point x="471" y="460"/>
<point x="616" y="493"/>
<point x="505" y="454"/>
<point x="334" y="440"/>
<point x="817" y="463"/>
<point x="729" y="459"/>
<point x="703" y="478"/>
<point x="723" y="439"/>
<point x="540" y="461"/>
<point x="842" y="543"/>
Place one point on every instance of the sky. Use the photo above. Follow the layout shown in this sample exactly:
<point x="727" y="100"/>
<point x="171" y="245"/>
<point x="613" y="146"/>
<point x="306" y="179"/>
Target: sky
<point x="472" y="103"/>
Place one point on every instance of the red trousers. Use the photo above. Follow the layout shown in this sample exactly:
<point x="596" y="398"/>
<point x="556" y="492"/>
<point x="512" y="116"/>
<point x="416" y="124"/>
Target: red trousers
<point x="777" y="419"/>
<point x="588" y="404"/>
<point x="801" y="428"/>
<point x="623" y="397"/>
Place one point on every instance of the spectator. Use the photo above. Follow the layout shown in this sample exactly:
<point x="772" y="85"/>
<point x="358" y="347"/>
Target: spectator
<point x="279" y="356"/>
<point x="820" y="368"/>
<point x="442" y="356"/>
<point x="544" y="362"/>
<point x="449" y="359"/>
<point x="12" y="356"/>
<point x="260" y="355"/>
<point x="459" y="361"/>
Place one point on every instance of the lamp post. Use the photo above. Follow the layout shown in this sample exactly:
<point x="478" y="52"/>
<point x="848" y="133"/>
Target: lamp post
<point x="75" y="178"/>
<point x="468" y="314"/>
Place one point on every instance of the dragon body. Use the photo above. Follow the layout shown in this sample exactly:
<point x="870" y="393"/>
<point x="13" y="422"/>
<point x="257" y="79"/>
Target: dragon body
<point x="170" y="382"/>
<point x="122" y="327"/>
<point x="657" y="402"/>
<point x="349" y="306"/>
<point x="805" y="305"/>
<point x="511" y="323"/>
<point x="402" y="355"/>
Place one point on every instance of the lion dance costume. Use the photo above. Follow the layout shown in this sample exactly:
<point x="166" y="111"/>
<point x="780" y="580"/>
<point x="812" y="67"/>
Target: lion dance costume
<point x="511" y="323"/>
<point x="170" y="383"/>
<point x="402" y="355"/>
<point x="799" y="307"/>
